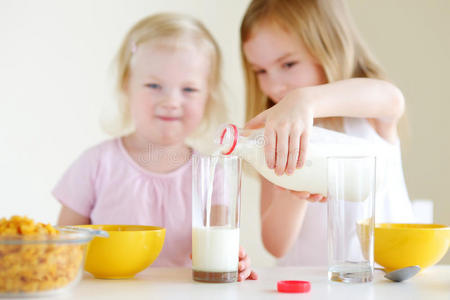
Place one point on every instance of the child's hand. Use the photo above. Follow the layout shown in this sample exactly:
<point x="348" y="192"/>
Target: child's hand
<point x="287" y="126"/>
<point x="245" y="272"/>
<point x="309" y="197"/>
<point x="303" y="195"/>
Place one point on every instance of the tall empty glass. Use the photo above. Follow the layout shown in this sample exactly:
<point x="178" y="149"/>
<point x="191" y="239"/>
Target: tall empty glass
<point x="216" y="192"/>
<point x="351" y="200"/>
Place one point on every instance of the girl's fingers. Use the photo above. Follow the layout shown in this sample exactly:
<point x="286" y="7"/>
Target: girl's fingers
<point x="244" y="262"/>
<point x="244" y="268"/>
<point x="270" y="142"/>
<point x="241" y="266"/>
<point x="303" y="147"/>
<point x="281" y="151"/>
<point x="309" y="197"/>
<point x="242" y="253"/>
<point x="247" y="261"/>
<point x="294" y="150"/>
<point x="253" y="276"/>
<point x="315" y="198"/>
<point x="323" y="200"/>
<point x="244" y="265"/>
<point x="244" y="274"/>
<point x="302" y="195"/>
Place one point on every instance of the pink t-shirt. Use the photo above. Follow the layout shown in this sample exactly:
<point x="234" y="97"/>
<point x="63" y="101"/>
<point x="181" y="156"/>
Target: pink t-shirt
<point x="108" y="186"/>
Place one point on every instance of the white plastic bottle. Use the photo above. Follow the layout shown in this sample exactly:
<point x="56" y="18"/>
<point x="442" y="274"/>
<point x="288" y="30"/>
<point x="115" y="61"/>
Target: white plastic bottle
<point x="312" y="177"/>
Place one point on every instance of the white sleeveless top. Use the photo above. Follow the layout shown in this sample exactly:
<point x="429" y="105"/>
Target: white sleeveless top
<point x="310" y="248"/>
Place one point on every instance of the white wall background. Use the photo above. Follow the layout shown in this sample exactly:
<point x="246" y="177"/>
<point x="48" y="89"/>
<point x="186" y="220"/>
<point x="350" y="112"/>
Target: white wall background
<point x="411" y="38"/>
<point x="55" y="65"/>
<point x="54" y="82"/>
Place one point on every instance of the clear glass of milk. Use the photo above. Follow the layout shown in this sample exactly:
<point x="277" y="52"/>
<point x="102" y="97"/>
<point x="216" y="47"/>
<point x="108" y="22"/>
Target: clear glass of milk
<point x="216" y="191"/>
<point x="351" y="213"/>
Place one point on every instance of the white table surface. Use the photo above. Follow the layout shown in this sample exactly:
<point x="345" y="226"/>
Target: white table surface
<point x="177" y="283"/>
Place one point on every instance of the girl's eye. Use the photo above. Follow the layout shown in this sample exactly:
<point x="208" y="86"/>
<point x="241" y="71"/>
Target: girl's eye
<point x="260" y="72"/>
<point x="290" y="64"/>
<point x="154" y="86"/>
<point x="190" y="90"/>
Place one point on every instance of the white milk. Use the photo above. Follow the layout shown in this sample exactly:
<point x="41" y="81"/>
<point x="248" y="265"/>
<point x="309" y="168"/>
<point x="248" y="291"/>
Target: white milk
<point x="312" y="177"/>
<point x="215" y="249"/>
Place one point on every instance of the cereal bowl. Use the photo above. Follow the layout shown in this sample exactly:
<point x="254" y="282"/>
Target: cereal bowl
<point x="128" y="250"/>
<point x="41" y="264"/>
<point x="402" y="245"/>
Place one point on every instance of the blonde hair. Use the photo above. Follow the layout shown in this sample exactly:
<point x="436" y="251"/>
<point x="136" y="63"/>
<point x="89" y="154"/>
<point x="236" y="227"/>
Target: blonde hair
<point x="174" y="29"/>
<point x="327" y="31"/>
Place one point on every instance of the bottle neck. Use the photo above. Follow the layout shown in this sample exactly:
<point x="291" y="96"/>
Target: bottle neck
<point x="228" y="139"/>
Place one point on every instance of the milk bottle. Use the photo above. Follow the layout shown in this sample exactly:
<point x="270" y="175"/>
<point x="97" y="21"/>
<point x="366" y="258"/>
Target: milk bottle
<point x="312" y="177"/>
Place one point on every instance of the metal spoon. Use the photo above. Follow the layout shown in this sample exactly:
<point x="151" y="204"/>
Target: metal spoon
<point x="402" y="274"/>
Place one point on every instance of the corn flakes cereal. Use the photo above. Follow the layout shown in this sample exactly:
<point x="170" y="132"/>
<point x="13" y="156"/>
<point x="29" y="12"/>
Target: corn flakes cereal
<point x="36" y="266"/>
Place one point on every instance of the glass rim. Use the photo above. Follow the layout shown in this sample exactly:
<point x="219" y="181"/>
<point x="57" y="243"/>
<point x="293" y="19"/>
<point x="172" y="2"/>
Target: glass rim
<point x="199" y="155"/>
<point x="355" y="157"/>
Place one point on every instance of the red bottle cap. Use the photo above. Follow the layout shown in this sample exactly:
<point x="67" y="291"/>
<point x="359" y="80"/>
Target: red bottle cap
<point x="293" y="286"/>
<point x="235" y="138"/>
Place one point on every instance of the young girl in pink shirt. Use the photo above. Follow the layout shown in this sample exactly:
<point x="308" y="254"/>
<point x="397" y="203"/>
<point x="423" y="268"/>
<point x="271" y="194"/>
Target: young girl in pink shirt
<point x="169" y="81"/>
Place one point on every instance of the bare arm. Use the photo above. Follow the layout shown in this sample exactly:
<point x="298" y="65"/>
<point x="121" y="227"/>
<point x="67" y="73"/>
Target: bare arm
<point x="288" y="123"/>
<point x="69" y="217"/>
<point x="282" y="216"/>
<point x="358" y="97"/>
<point x="379" y="101"/>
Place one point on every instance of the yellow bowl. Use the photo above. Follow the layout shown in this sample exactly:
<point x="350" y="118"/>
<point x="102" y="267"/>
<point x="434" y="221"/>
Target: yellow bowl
<point x="403" y="245"/>
<point x="128" y="250"/>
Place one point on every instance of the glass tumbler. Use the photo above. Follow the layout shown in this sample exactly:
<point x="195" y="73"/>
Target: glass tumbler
<point x="216" y="193"/>
<point x="351" y="214"/>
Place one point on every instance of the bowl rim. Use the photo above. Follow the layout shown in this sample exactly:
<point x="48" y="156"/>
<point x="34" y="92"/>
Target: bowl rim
<point x="144" y="228"/>
<point x="65" y="236"/>
<point x="415" y="226"/>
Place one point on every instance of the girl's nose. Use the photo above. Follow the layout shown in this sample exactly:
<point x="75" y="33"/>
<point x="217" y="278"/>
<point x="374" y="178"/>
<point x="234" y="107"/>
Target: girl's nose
<point x="171" y="100"/>
<point x="276" y="88"/>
